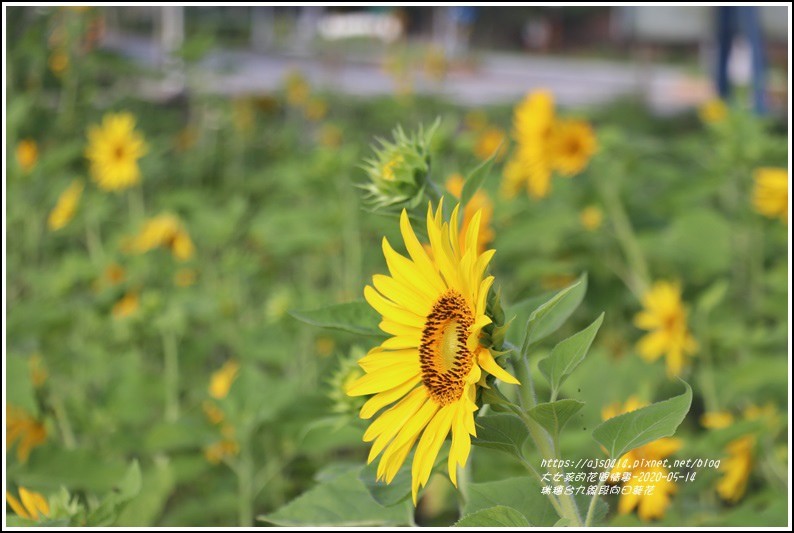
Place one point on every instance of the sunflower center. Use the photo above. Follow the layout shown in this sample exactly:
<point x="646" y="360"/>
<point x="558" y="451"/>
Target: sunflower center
<point x="572" y="147"/>
<point x="118" y="152"/>
<point x="443" y="353"/>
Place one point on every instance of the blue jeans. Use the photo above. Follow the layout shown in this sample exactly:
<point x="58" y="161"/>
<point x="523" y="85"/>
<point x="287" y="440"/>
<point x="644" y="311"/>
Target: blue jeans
<point x="745" y="20"/>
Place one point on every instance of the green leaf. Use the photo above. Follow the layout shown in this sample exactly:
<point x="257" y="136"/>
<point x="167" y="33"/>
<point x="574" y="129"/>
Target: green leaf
<point x="563" y="522"/>
<point x="499" y="516"/>
<point x="476" y="178"/>
<point x="519" y="493"/>
<point x="125" y="490"/>
<point x="548" y="317"/>
<point x="19" y="391"/>
<point x="553" y="416"/>
<point x="342" y="501"/>
<point x="354" y="317"/>
<point x="505" y="432"/>
<point x="628" y="431"/>
<point x="713" y="296"/>
<point x="143" y="510"/>
<point x="567" y="355"/>
<point x="397" y="491"/>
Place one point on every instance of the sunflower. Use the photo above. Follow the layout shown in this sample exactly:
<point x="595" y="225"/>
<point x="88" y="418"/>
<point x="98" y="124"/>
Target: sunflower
<point x="736" y="469"/>
<point x="163" y="230"/>
<point x="591" y="217"/>
<point x="222" y="379"/>
<point x="22" y="427"/>
<point x="114" y="149"/>
<point x="32" y="506"/>
<point x="126" y="306"/>
<point x="478" y="202"/>
<point x="713" y="111"/>
<point x="770" y="194"/>
<point x="572" y="144"/>
<point x="432" y="364"/>
<point x="27" y="154"/>
<point x="665" y="316"/>
<point x="488" y="141"/>
<point x="651" y="504"/>
<point x="65" y="207"/>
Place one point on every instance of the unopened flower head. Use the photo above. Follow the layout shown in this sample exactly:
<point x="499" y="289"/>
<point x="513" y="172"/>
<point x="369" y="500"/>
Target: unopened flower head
<point x="398" y="172"/>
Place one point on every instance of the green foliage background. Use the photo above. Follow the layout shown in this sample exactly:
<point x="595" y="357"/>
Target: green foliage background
<point x="279" y="226"/>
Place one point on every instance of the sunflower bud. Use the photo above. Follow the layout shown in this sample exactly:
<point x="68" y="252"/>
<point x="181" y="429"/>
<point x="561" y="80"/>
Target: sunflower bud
<point x="398" y="172"/>
<point x="346" y="373"/>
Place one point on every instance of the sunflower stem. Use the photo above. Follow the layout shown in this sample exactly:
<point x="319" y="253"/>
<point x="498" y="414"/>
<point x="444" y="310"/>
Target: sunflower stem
<point x="171" y="376"/>
<point x="544" y="442"/>
<point x="62" y="420"/>
<point x="245" y="484"/>
<point x="588" y="521"/>
<point x="627" y="239"/>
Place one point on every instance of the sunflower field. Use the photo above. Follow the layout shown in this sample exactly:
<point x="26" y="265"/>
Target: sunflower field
<point x="307" y="309"/>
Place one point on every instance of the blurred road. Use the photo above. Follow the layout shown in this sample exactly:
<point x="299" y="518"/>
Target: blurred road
<point x="499" y="78"/>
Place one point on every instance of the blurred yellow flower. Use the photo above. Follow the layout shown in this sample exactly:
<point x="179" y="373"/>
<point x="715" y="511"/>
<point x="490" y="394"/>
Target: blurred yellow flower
<point x="185" y="277"/>
<point x="163" y="230"/>
<point x="22" y="427"/>
<point x="212" y="411"/>
<point x="716" y="420"/>
<point x="479" y="202"/>
<point x="533" y="121"/>
<point x="768" y="412"/>
<point x="713" y="111"/>
<point x="475" y="120"/>
<point x="736" y="469"/>
<point x="38" y="370"/>
<point x="27" y="153"/>
<point x="243" y="115"/>
<point x="186" y="138"/>
<point x="315" y="109"/>
<point x="32" y="507"/>
<point x="114" y="274"/>
<point x="545" y="145"/>
<point x="666" y="318"/>
<point x="534" y="118"/>
<point x="126" y="306"/>
<point x="435" y="63"/>
<point x="591" y="217"/>
<point x="65" y="207"/>
<point x="329" y="136"/>
<point x="572" y="144"/>
<point x="324" y="346"/>
<point x="215" y="453"/>
<point x="113" y="150"/>
<point x="650" y="505"/>
<point x="222" y="379"/>
<point x="58" y="61"/>
<point x="488" y="141"/>
<point x="297" y="89"/>
<point x="557" y="281"/>
<point x="770" y="194"/>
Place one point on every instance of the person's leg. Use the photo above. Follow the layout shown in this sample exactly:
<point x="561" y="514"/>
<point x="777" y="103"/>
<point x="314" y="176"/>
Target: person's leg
<point x="750" y="26"/>
<point x="724" y="40"/>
